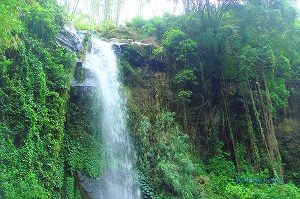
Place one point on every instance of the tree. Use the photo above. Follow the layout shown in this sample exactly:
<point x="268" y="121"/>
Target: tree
<point x="140" y="5"/>
<point x="99" y="10"/>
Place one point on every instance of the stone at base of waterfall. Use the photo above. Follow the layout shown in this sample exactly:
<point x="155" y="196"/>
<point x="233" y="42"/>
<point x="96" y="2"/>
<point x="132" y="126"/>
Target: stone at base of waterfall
<point x="90" y="187"/>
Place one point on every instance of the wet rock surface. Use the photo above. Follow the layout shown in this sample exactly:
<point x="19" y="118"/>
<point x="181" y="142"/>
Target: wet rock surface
<point x="83" y="77"/>
<point x="71" y="39"/>
<point x="89" y="186"/>
<point x="123" y="44"/>
<point x="139" y="54"/>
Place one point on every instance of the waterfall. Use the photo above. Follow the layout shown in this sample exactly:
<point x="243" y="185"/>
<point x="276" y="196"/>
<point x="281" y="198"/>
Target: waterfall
<point x="118" y="180"/>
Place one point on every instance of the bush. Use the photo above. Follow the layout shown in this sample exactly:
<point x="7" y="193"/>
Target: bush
<point x="167" y="162"/>
<point x="172" y="38"/>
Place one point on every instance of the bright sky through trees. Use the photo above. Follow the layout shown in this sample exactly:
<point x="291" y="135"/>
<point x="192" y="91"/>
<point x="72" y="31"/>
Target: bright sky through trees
<point x="153" y="8"/>
<point x="130" y="8"/>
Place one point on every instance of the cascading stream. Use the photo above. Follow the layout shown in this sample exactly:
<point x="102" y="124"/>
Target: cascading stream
<point x="118" y="179"/>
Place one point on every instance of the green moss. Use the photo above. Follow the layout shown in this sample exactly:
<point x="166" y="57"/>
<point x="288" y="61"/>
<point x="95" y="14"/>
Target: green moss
<point x="35" y="80"/>
<point x="70" y="184"/>
<point x="83" y="148"/>
<point x="80" y="74"/>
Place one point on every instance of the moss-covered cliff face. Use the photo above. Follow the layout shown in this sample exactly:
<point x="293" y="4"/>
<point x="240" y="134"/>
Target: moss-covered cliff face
<point x="82" y="142"/>
<point x="48" y="130"/>
<point x="35" y="79"/>
<point x="197" y="130"/>
<point x="209" y="120"/>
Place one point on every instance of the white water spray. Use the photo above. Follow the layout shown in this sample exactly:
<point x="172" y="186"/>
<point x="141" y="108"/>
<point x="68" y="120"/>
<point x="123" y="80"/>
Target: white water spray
<point x="118" y="179"/>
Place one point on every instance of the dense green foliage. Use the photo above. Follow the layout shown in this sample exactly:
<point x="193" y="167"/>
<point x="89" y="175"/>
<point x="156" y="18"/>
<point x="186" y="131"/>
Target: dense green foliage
<point x="227" y="75"/>
<point x="35" y="79"/>
<point x="46" y="132"/>
<point x="82" y="145"/>
<point x="170" y="159"/>
<point x="10" y="22"/>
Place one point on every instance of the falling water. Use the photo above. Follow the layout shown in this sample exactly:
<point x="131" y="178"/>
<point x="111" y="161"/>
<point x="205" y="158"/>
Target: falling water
<point x="118" y="179"/>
